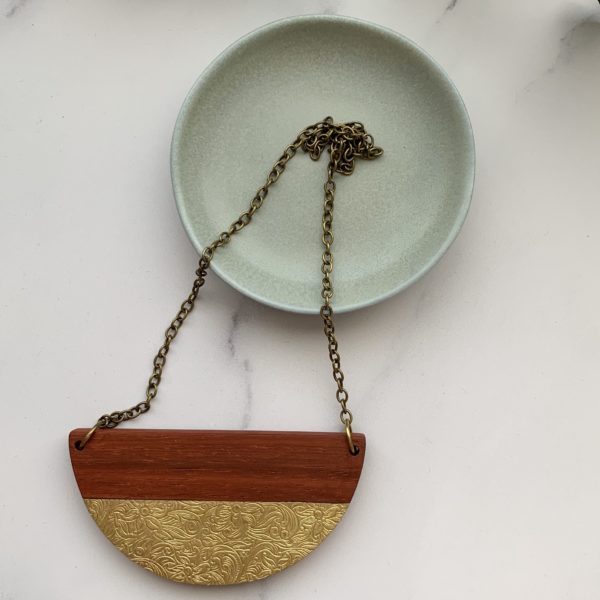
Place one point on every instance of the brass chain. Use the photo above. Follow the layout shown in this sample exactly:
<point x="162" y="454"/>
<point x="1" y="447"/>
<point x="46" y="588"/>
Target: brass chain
<point x="345" y="142"/>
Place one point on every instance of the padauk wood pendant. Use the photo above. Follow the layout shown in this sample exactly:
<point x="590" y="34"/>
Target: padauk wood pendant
<point x="216" y="507"/>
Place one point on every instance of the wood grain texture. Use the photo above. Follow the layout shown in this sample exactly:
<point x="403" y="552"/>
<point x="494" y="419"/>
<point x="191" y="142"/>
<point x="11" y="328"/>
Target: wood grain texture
<point x="178" y="464"/>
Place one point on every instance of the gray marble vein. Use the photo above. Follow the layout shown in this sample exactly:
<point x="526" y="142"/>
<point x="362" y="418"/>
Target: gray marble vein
<point x="581" y="35"/>
<point x="235" y="321"/>
<point x="245" y="364"/>
<point x="449" y="8"/>
<point x="12" y="7"/>
<point x="579" y="38"/>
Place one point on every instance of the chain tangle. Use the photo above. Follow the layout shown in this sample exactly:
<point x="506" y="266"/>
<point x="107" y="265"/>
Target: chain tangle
<point x="345" y="142"/>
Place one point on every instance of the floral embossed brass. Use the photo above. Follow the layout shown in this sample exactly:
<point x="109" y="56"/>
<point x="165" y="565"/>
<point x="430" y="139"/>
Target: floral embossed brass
<point x="215" y="543"/>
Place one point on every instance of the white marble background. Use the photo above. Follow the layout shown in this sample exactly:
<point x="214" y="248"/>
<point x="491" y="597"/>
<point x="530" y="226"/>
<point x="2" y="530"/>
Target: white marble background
<point x="478" y="387"/>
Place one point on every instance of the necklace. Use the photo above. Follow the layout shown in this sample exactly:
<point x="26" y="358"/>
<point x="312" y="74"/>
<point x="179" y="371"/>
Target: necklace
<point x="223" y="507"/>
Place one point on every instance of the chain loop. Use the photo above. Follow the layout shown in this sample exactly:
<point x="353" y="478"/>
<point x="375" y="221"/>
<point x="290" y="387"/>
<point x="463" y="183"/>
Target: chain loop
<point x="344" y="142"/>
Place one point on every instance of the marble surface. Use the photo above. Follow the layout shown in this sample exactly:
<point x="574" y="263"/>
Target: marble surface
<point x="477" y="387"/>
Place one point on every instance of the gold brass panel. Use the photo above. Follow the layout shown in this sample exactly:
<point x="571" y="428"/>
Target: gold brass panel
<point x="215" y="543"/>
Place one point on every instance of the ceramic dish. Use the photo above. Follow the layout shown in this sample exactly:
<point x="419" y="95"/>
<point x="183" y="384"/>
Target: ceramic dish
<point x="394" y="217"/>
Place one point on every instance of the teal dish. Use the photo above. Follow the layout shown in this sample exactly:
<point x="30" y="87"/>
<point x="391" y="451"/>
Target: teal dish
<point x="394" y="217"/>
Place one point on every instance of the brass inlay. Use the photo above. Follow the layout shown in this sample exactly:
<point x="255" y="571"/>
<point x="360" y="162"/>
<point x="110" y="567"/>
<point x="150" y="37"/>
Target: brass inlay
<point x="215" y="543"/>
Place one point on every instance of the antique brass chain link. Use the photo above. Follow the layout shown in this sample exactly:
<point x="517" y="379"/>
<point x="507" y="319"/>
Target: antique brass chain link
<point x="345" y="142"/>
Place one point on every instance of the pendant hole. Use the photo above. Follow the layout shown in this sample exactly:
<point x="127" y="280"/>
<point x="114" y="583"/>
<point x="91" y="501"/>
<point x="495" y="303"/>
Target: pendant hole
<point x="356" y="451"/>
<point x="78" y="445"/>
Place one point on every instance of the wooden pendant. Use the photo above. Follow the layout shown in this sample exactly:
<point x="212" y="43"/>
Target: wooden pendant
<point x="216" y="507"/>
